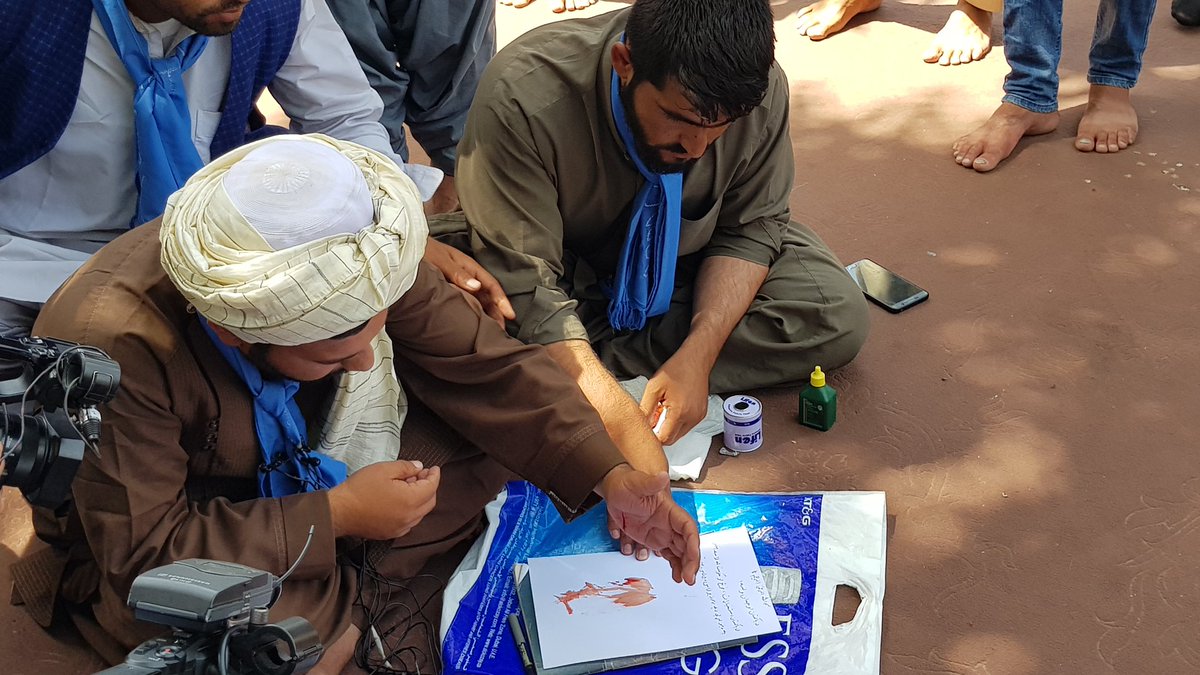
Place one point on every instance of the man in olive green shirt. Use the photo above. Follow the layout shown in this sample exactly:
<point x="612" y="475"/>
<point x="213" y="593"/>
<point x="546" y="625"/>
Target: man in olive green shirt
<point x="548" y="186"/>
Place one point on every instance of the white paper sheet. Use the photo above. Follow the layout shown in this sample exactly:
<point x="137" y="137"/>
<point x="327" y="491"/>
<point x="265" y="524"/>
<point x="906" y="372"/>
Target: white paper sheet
<point x="605" y="605"/>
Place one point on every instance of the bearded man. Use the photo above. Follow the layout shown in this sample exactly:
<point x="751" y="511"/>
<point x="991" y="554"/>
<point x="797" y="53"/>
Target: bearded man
<point x="626" y="178"/>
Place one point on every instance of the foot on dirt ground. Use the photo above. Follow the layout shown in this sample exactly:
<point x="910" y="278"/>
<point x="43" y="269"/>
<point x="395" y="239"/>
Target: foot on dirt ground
<point x="1109" y="124"/>
<point x="559" y="8"/>
<point x="966" y="37"/>
<point x="987" y="146"/>
<point x="826" y="17"/>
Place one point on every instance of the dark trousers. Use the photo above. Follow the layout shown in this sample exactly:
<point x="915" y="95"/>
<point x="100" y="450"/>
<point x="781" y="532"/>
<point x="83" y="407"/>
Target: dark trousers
<point x="424" y="59"/>
<point x="807" y="313"/>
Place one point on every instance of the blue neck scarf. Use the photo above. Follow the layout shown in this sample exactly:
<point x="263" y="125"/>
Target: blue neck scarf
<point x="645" y="276"/>
<point x="166" y="155"/>
<point x="289" y="466"/>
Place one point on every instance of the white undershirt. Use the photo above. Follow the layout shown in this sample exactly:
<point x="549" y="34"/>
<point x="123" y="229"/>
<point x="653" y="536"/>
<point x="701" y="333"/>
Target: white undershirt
<point x="65" y="205"/>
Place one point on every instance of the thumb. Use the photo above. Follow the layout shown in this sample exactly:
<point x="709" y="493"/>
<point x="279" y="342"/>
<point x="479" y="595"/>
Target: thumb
<point x="402" y="469"/>
<point x="650" y="398"/>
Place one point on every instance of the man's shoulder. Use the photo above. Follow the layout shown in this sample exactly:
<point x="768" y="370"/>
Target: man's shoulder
<point x="765" y="120"/>
<point x="122" y="292"/>
<point x="549" y="64"/>
<point x="776" y="101"/>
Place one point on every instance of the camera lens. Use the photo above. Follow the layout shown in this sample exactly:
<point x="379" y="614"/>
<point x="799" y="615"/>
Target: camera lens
<point x="27" y="452"/>
<point x="38" y="460"/>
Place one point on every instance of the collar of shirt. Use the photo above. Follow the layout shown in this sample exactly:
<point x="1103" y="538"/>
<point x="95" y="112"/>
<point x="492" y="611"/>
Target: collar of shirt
<point x="163" y="37"/>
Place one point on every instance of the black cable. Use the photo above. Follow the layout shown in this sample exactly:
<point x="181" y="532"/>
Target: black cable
<point x="387" y="599"/>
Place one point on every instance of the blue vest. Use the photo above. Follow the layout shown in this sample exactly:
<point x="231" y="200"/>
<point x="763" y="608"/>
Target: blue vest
<point x="43" y="44"/>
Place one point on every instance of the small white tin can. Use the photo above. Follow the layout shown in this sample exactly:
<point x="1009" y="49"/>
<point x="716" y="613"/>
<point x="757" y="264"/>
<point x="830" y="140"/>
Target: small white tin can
<point x="743" y="423"/>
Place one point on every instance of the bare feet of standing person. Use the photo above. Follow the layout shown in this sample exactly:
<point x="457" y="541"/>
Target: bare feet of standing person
<point x="966" y="37"/>
<point x="826" y="17"/>
<point x="987" y="146"/>
<point x="1109" y="124"/>
<point x="563" y="5"/>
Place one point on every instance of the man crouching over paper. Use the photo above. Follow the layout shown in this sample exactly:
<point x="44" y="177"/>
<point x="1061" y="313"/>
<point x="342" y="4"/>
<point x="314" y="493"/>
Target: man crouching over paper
<point x="264" y="328"/>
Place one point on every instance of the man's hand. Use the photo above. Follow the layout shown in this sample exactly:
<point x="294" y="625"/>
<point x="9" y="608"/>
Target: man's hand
<point x="679" y="392"/>
<point x="642" y="506"/>
<point x="466" y="273"/>
<point x="384" y="500"/>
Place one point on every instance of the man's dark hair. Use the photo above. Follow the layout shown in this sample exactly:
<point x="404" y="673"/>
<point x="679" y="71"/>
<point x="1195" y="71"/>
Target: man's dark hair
<point x="352" y="332"/>
<point x="720" y="51"/>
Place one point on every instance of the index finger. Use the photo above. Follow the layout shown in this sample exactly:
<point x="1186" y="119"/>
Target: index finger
<point x="653" y="399"/>
<point x="432" y="475"/>
<point x="494" y="292"/>
<point x="688" y="540"/>
<point x="425" y="489"/>
<point x="498" y="310"/>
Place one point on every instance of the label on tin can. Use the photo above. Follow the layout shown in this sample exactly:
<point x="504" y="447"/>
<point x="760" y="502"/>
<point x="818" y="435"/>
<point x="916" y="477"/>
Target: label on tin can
<point x="743" y="423"/>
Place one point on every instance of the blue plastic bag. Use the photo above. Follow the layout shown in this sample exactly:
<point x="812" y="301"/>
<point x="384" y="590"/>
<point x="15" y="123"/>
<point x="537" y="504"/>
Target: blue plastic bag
<point x="784" y="528"/>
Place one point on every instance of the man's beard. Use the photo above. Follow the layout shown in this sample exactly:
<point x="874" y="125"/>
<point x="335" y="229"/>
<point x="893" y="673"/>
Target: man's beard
<point x="258" y="357"/>
<point x="649" y="154"/>
<point x="201" y="26"/>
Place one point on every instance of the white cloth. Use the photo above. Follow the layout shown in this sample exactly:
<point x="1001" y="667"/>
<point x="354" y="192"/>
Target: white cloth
<point x="685" y="457"/>
<point x="310" y="292"/>
<point x="296" y="193"/>
<point x="62" y="207"/>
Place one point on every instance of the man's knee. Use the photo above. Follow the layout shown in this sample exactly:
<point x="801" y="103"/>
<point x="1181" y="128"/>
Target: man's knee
<point x="830" y="335"/>
<point x="849" y="323"/>
<point x="831" y="325"/>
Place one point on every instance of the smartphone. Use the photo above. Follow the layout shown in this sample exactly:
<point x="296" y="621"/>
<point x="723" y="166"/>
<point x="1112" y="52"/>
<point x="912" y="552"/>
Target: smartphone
<point x="890" y="290"/>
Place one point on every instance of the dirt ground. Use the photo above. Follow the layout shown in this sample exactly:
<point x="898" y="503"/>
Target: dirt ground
<point x="1032" y="423"/>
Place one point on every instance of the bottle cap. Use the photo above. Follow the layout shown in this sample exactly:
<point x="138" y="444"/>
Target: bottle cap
<point x="818" y="378"/>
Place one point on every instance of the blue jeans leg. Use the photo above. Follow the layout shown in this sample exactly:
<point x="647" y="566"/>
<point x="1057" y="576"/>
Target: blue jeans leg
<point x="1122" y="29"/>
<point x="1033" y="46"/>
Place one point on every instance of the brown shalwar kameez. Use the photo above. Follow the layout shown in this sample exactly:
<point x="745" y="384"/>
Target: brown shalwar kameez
<point x="176" y="474"/>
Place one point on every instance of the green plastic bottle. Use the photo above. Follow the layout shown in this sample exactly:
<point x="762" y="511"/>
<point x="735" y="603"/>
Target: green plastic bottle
<point x="818" y="403"/>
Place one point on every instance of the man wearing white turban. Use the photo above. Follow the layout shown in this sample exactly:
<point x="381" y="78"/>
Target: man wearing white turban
<point x="264" y="327"/>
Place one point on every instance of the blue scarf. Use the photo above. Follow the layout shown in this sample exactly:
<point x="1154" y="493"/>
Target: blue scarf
<point x="289" y="466"/>
<point x="645" y="276"/>
<point x="166" y="156"/>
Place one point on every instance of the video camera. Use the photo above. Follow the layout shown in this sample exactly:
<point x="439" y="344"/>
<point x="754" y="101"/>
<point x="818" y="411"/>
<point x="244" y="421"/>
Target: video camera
<point x="65" y="382"/>
<point x="219" y="613"/>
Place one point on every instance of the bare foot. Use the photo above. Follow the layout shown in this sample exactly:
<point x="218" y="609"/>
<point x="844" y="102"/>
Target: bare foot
<point x="1109" y="124"/>
<point x="826" y="17"/>
<point x="563" y="5"/>
<point x="987" y="146"/>
<point x="966" y="37"/>
<point x="572" y="5"/>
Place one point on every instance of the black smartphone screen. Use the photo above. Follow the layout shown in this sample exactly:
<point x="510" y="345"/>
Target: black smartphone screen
<point x="884" y="286"/>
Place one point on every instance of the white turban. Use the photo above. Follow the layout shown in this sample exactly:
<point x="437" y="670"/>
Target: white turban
<point x="297" y="239"/>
